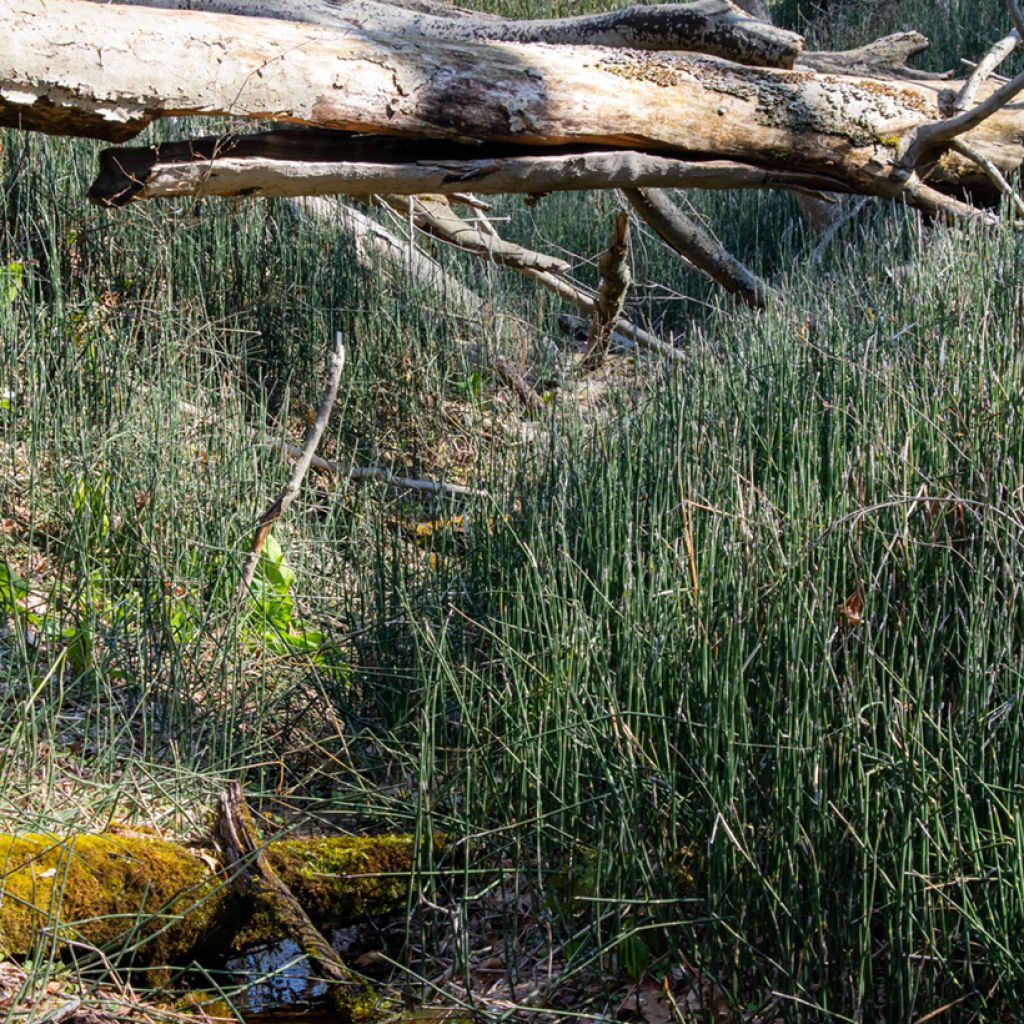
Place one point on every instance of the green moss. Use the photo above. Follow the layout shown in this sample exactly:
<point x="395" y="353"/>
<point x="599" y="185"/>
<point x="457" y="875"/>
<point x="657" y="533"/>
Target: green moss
<point x="105" y="889"/>
<point x="339" y="879"/>
<point x="356" y="1006"/>
<point x="102" y="888"/>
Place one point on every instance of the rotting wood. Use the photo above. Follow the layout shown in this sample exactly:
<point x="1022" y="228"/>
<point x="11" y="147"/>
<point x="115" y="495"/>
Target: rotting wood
<point x="611" y="297"/>
<point x="352" y="998"/>
<point x="170" y="902"/>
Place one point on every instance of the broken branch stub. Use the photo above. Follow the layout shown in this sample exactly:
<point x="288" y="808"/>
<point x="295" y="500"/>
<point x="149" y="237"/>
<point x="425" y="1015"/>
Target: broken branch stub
<point x="611" y="297"/>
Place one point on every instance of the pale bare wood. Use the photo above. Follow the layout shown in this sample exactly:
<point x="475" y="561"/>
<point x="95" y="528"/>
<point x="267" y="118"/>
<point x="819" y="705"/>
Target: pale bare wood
<point x="993" y="172"/>
<point x="294" y="162"/>
<point x="54" y="76"/>
<point x="715" y="27"/>
<point x="983" y="70"/>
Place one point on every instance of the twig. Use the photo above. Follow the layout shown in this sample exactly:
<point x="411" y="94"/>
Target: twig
<point x="378" y="473"/>
<point x="691" y="241"/>
<point x="984" y="68"/>
<point x="995" y="175"/>
<point x="385" y="476"/>
<point x="830" y="232"/>
<point x="972" y="64"/>
<point x="615" y="279"/>
<point x="1017" y="15"/>
<point x="313" y="434"/>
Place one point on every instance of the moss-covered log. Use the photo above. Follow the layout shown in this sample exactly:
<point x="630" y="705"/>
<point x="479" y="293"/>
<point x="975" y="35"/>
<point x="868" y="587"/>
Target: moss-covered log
<point x="169" y="902"/>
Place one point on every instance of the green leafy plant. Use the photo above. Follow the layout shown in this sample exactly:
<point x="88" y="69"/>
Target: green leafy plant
<point x="12" y="281"/>
<point x="273" y="619"/>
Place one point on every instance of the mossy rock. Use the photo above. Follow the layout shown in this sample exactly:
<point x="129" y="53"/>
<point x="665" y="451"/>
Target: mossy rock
<point x="104" y="889"/>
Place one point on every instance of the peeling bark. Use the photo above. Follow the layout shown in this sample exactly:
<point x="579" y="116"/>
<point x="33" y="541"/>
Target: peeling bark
<point x="54" y="76"/>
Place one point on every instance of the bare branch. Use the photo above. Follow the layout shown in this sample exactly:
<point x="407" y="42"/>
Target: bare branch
<point x="584" y="301"/>
<point x="983" y="70"/>
<point x="313" y="434"/>
<point x="993" y="172"/>
<point x="433" y="216"/>
<point x="704" y="251"/>
<point x="295" y="162"/>
<point x="385" y="476"/>
<point x="1016" y="15"/>
<point x="530" y="264"/>
<point x="838" y="222"/>
<point x="945" y="208"/>
<point x="928" y="136"/>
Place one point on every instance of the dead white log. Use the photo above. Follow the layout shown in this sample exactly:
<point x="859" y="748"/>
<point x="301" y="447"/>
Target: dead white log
<point x="72" y="66"/>
<point x="705" y="26"/>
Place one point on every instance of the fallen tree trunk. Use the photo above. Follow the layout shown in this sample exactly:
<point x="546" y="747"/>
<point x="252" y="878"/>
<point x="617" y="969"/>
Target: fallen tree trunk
<point x="715" y="27"/>
<point x="170" y="903"/>
<point x="55" y="75"/>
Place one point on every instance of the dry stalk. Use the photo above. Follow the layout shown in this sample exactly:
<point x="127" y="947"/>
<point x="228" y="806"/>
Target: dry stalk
<point x="313" y="434"/>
